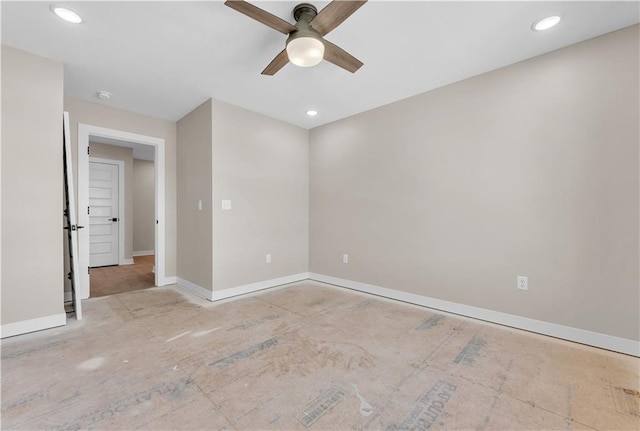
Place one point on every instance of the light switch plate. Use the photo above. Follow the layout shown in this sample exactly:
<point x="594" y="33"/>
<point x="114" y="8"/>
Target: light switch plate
<point x="226" y="204"/>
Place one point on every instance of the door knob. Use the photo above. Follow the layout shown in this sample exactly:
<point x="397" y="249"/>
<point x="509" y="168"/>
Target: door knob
<point x="114" y="219"/>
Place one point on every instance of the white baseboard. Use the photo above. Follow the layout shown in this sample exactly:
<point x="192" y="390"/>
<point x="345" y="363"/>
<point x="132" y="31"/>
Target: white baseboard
<point x="126" y="262"/>
<point x="609" y="342"/>
<point x="239" y="290"/>
<point x="194" y="288"/>
<point x="32" y="325"/>
<point x="169" y="280"/>
<point x="143" y="253"/>
<point x="260" y="285"/>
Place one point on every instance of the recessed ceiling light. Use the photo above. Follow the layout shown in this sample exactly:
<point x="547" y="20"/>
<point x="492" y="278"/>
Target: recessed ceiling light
<point x="104" y="95"/>
<point x="312" y="113"/>
<point x="66" y="14"/>
<point x="546" y="23"/>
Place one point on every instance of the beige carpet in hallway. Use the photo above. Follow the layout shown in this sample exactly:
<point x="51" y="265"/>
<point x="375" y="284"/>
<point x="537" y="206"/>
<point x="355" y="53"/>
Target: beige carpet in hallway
<point x="307" y="356"/>
<point x="110" y="280"/>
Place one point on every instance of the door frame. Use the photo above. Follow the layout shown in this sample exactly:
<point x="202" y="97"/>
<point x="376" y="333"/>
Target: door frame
<point x="121" y="212"/>
<point x="84" y="132"/>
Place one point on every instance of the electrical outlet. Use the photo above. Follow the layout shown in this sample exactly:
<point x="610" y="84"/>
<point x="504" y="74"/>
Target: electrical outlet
<point x="522" y="282"/>
<point x="268" y="258"/>
<point x="226" y="204"/>
<point x="200" y="204"/>
<point x="345" y="258"/>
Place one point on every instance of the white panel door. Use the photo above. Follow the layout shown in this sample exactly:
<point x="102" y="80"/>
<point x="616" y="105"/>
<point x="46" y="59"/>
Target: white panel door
<point x="103" y="214"/>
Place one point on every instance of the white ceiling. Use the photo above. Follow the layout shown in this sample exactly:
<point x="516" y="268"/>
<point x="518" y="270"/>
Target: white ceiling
<point x="165" y="58"/>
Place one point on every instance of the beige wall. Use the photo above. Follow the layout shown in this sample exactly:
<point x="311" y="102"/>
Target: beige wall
<point x="96" y="114"/>
<point x="528" y="170"/>
<point x="113" y="152"/>
<point x="195" y="236"/>
<point x="261" y="165"/>
<point x="144" y="219"/>
<point x="32" y="187"/>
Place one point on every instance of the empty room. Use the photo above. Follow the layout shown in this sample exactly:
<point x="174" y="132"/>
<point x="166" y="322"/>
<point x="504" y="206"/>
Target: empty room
<point x="337" y="215"/>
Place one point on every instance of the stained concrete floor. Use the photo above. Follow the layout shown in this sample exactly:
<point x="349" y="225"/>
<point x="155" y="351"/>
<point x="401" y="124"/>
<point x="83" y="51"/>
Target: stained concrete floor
<point x="307" y="356"/>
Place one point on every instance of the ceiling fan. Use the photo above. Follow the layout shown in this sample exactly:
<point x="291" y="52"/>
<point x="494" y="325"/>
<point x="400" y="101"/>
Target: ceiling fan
<point x="306" y="45"/>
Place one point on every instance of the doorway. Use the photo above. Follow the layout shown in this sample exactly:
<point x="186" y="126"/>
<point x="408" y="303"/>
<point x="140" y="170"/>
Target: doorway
<point x="155" y="146"/>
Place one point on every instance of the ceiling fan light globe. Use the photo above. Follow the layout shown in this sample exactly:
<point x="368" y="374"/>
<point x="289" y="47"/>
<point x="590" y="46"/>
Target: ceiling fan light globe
<point x="305" y="51"/>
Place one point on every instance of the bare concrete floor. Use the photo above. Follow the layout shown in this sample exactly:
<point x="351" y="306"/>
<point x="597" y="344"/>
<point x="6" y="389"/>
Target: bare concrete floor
<point x="308" y="356"/>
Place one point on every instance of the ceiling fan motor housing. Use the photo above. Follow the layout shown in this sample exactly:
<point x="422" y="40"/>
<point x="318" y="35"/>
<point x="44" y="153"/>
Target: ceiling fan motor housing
<point x="304" y="30"/>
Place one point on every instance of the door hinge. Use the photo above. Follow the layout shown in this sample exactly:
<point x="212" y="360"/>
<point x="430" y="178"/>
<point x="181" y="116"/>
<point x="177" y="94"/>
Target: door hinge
<point x="88" y="270"/>
<point x="88" y="150"/>
<point x="88" y="210"/>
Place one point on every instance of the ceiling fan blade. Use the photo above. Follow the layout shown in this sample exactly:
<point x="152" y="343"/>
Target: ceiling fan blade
<point x="276" y="64"/>
<point x="261" y="15"/>
<point x="338" y="56"/>
<point x="334" y="14"/>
